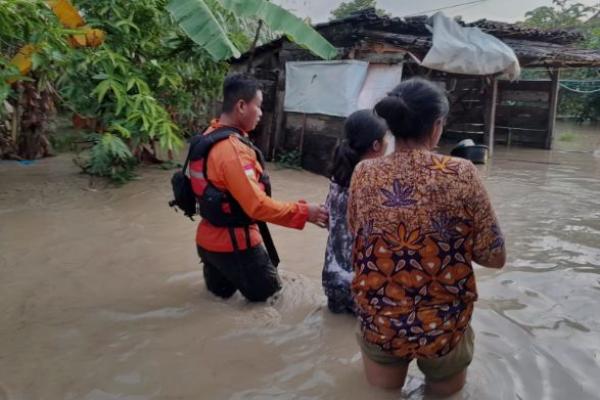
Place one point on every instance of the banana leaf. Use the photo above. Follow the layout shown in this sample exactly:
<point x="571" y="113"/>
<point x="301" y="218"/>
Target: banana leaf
<point x="200" y="24"/>
<point x="281" y="20"/>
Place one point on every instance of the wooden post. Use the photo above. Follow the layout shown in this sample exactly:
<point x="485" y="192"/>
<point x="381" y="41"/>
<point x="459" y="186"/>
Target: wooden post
<point x="554" y="89"/>
<point x="253" y="47"/>
<point x="278" y="114"/>
<point x="490" y="115"/>
<point x="302" y="134"/>
<point x="16" y="117"/>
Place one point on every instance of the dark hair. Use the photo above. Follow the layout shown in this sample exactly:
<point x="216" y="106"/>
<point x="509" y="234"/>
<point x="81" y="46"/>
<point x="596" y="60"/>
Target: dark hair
<point x="361" y="129"/>
<point x="238" y="87"/>
<point x="412" y="108"/>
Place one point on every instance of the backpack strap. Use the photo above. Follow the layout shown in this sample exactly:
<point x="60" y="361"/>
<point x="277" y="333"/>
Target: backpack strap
<point x="259" y="154"/>
<point x="207" y="141"/>
<point x="213" y="138"/>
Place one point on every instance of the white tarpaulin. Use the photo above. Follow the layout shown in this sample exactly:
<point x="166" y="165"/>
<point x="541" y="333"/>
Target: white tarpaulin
<point x="381" y="79"/>
<point x="468" y="51"/>
<point x="324" y="87"/>
<point x="337" y="87"/>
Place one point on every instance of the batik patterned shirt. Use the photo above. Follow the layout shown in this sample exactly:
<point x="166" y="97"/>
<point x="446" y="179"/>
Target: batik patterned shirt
<point x="420" y="219"/>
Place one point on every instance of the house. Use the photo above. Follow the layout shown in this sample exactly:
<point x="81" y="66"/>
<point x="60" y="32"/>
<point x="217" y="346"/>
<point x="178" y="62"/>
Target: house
<point x="484" y="108"/>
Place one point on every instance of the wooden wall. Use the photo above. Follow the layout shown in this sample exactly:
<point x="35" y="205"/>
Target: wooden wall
<point x="263" y="134"/>
<point x="523" y="109"/>
<point x="523" y="112"/>
<point x="316" y="136"/>
<point x="467" y="109"/>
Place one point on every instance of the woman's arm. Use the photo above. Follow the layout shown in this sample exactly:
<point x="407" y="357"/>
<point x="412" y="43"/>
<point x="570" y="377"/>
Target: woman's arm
<point x="488" y="241"/>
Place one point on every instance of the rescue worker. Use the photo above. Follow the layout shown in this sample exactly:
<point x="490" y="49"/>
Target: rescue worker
<point x="234" y="257"/>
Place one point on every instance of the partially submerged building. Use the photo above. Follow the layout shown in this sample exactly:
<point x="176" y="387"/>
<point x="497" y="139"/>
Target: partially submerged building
<point x="376" y="53"/>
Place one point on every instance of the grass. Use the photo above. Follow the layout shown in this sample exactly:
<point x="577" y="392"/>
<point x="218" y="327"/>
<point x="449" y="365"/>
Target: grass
<point x="567" y="137"/>
<point x="291" y="160"/>
<point x="64" y="141"/>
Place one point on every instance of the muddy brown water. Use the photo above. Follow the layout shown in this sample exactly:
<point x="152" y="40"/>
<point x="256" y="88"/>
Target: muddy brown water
<point x="102" y="296"/>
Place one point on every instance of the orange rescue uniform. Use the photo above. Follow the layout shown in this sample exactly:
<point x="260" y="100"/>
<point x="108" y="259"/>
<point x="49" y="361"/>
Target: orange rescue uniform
<point x="233" y="167"/>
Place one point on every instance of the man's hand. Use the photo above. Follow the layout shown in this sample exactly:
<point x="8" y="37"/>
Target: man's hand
<point x="318" y="215"/>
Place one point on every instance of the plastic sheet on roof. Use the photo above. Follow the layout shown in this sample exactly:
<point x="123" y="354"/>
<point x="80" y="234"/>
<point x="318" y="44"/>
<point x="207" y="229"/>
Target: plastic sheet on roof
<point x="469" y="51"/>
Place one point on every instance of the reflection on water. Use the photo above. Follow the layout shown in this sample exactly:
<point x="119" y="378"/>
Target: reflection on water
<point x="103" y="297"/>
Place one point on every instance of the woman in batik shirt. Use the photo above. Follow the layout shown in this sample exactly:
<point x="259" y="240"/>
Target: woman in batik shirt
<point x="420" y="220"/>
<point x="364" y="135"/>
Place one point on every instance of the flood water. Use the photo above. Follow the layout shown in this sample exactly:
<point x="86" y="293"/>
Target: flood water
<point x="102" y="295"/>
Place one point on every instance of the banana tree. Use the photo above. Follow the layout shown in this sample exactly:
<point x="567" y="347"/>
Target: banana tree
<point x="204" y="27"/>
<point x="32" y="42"/>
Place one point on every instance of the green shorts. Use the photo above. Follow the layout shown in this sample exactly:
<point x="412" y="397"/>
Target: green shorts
<point x="435" y="369"/>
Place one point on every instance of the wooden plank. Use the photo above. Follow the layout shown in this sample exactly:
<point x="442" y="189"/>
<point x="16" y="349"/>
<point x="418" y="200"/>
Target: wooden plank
<point x="262" y="134"/>
<point x="534" y="86"/>
<point x="467" y="96"/>
<point x="467" y="127"/>
<point x="468" y="84"/>
<point x="525" y="137"/>
<point x="325" y="125"/>
<point x="454" y="137"/>
<point x="291" y="136"/>
<point x="460" y="115"/>
<point x="317" y="153"/>
<point x="279" y="118"/>
<point x="317" y="124"/>
<point x="294" y="120"/>
<point x="490" y="115"/>
<point x="316" y="136"/>
<point x="269" y="94"/>
<point x="555" y="74"/>
<point x="528" y="137"/>
<point x="265" y="74"/>
<point x="525" y="96"/>
<point x="522" y="116"/>
<point x="297" y="55"/>
<point x="377" y="57"/>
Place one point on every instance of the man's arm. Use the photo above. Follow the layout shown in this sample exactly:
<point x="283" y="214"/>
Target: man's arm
<point x="239" y="173"/>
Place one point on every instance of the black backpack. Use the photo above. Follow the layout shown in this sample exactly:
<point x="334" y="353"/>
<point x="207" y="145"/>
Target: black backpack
<point x="184" y="197"/>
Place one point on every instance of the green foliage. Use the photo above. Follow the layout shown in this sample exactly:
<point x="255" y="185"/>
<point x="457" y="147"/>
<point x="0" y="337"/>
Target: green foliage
<point x="199" y="23"/>
<point x="109" y="157"/>
<point x="291" y="159"/>
<point x="147" y="85"/>
<point x="567" y="137"/>
<point x="563" y="14"/>
<point x="567" y="14"/>
<point x="104" y="84"/>
<point x="64" y="142"/>
<point x="202" y="26"/>
<point x="7" y="72"/>
<point x="29" y="22"/>
<point x="346" y="9"/>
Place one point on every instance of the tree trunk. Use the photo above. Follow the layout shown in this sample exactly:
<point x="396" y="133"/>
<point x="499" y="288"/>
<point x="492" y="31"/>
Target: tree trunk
<point x="38" y="107"/>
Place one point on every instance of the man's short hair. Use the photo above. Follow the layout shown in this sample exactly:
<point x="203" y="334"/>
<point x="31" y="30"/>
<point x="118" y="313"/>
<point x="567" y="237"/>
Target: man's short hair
<point x="238" y="87"/>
